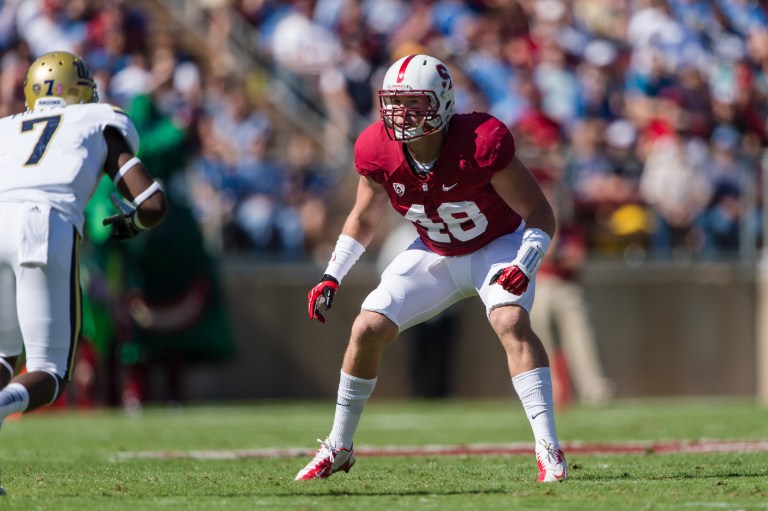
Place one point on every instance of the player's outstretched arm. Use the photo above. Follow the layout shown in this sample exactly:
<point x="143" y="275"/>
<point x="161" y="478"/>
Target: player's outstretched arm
<point x="358" y="231"/>
<point x="147" y="206"/>
<point x="520" y="190"/>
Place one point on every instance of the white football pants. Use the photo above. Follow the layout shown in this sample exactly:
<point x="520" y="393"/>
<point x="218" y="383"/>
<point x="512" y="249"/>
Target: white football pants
<point x="419" y="284"/>
<point x="40" y="300"/>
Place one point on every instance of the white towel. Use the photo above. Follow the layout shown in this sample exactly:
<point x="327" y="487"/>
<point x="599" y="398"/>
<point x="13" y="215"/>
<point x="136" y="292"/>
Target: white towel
<point x="33" y="244"/>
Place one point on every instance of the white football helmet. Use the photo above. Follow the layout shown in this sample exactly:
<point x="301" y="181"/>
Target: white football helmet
<point x="416" y="75"/>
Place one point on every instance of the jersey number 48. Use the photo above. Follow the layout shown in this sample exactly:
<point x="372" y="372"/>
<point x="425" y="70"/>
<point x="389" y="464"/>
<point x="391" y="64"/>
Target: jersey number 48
<point x="463" y="220"/>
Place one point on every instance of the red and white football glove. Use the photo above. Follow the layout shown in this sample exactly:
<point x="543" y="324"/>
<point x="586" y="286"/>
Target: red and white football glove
<point x="515" y="277"/>
<point x="511" y="279"/>
<point x="322" y="293"/>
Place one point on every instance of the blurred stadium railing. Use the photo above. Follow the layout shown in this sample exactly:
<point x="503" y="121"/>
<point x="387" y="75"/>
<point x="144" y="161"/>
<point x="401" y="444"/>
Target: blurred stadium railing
<point x="248" y="57"/>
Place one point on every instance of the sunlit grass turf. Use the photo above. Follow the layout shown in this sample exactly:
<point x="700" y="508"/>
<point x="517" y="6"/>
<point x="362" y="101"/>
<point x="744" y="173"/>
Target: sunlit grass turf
<point x="67" y="460"/>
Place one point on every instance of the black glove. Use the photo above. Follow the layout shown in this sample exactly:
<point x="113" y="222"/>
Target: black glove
<point x="122" y="225"/>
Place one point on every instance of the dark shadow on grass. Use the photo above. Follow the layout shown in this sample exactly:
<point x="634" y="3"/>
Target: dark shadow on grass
<point x="678" y="477"/>
<point x="358" y="493"/>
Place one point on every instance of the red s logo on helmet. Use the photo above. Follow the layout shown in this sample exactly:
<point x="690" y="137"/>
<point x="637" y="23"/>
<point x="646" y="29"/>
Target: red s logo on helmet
<point x="445" y="75"/>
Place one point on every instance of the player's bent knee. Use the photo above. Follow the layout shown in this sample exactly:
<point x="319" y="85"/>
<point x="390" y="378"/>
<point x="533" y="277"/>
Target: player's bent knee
<point x="374" y="328"/>
<point x="511" y="319"/>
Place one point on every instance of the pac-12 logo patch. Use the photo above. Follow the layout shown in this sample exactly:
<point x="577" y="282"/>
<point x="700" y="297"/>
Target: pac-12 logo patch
<point x="399" y="189"/>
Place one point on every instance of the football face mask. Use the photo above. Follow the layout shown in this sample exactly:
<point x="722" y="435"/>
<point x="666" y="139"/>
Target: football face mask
<point x="411" y="116"/>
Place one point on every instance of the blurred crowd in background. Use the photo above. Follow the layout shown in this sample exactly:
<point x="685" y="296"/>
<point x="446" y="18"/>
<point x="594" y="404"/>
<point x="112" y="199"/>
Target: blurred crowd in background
<point x="647" y="117"/>
<point x="644" y="120"/>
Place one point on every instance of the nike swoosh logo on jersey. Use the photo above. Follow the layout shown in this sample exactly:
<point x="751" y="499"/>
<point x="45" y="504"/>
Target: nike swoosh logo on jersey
<point x="448" y="188"/>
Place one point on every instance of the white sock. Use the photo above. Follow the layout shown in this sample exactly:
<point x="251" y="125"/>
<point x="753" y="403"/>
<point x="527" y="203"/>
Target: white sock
<point x="534" y="388"/>
<point x="13" y="398"/>
<point x="353" y="394"/>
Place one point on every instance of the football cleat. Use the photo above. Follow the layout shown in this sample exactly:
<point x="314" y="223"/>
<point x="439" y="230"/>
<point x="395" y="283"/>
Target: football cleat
<point x="328" y="460"/>
<point x="552" y="465"/>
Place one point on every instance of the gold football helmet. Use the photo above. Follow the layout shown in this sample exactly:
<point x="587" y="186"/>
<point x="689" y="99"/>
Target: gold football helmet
<point x="62" y="75"/>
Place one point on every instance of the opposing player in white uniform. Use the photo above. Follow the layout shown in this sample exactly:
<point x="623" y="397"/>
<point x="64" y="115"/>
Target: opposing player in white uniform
<point x="484" y="226"/>
<point x="51" y="159"/>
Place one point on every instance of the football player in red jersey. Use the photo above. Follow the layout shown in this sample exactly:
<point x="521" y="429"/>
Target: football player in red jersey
<point x="484" y="226"/>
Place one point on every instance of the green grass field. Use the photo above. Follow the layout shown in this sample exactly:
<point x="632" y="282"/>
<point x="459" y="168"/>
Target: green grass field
<point x="86" y="461"/>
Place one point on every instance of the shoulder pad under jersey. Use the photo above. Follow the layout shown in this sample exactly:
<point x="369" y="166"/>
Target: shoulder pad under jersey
<point x="117" y="118"/>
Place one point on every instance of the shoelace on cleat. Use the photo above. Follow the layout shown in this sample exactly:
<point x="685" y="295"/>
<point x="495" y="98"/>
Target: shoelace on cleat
<point x="552" y="454"/>
<point x="325" y="450"/>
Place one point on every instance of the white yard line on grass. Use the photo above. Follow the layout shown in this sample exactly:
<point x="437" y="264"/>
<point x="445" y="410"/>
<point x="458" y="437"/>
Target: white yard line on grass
<point x="692" y="446"/>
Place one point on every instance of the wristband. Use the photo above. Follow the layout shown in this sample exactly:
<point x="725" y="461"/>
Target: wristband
<point x="346" y="253"/>
<point x="125" y="168"/>
<point x="532" y="249"/>
<point x="136" y="222"/>
<point x="154" y="187"/>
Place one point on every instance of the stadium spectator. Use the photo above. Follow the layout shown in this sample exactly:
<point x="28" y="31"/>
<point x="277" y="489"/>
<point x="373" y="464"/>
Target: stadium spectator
<point x="15" y="63"/>
<point x="730" y="210"/>
<point x="49" y="25"/>
<point x="306" y="186"/>
<point x="245" y="184"/>
<point x="69" y="139"/>
<point x="175" y="301"/>
<point x="474" y="204"/>
<point x="598" y="82"/>
<point x="675" y="184"/>
<point x="561" y="316"/>
<point x="598" y="191"/>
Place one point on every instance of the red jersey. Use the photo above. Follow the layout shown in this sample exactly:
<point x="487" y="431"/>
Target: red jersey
<point x="454" y="208"/>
